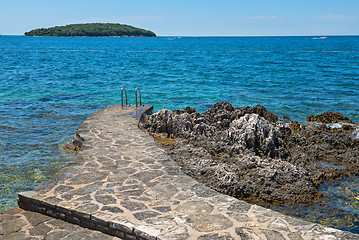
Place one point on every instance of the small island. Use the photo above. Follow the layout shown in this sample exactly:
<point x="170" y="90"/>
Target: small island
<point x="92" y="30"/>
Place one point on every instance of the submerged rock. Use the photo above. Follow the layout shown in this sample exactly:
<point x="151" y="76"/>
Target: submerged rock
<point x="249" y="154"/>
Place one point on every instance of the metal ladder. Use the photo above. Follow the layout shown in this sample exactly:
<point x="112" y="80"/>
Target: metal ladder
<point x="137" y="90"/>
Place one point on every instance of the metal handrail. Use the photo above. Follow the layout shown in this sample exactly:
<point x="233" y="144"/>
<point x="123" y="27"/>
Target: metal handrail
<point x="123" y="90"/>
<point x="139" y="94"/>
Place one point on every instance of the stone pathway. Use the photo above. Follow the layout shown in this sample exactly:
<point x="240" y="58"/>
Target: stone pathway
<point x="18" y="224"/>
<point x="122" y="184"/>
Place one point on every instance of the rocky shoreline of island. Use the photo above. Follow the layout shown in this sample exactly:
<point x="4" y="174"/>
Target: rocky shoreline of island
<point x="253" y="155"/>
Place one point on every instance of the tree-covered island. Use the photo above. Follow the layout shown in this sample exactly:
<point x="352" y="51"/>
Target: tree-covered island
<point x="92" y="30"/>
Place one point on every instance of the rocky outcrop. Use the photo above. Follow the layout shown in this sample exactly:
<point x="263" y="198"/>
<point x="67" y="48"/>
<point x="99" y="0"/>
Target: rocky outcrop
<point x="248" y="177"/>
<point x="329" y="117"/>
<point x="249" y="154"/>
<point x="75" y="145"/>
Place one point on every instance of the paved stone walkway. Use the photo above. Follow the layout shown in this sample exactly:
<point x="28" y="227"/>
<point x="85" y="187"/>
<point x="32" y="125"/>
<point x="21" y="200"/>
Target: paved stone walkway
<point x="19" y="224"/>
<point x="122" y="184"/>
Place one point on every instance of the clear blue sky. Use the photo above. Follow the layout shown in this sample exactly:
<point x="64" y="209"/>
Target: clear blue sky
<point x="189" y="17"/>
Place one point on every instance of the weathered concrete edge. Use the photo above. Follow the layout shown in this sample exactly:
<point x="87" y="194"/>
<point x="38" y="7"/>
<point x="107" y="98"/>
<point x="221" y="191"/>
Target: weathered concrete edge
<point x="94" y="222"/>
<point x="28" y="201"/>
<point x="104" y="223"/>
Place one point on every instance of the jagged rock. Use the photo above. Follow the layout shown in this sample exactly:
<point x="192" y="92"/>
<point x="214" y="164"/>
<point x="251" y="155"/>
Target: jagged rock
<point x="345" y="128"/>
<point x="248" y="177"/>
<point x="188" y="110"/>
<point x="249" y="154"/>
<point x="75" y="145"/>
<point x="254" y="133"/>
<point x="295" y="126"/>
<point x="261" y="111"/>
<point x="329" y="117"/>
<point x="285" y="117"/>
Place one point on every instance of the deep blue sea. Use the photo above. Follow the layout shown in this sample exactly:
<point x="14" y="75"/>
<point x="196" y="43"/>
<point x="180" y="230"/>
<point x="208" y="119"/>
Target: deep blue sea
<point x="49" y="86"/>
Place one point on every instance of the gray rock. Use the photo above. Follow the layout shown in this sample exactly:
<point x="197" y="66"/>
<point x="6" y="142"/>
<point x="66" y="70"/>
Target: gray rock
<point x="76" y="144"/>
<point x="236" y="152"/>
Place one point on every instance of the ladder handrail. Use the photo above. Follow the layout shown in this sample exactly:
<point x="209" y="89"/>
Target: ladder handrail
<point x="123" y="90"/>
<point x="139" y="94"/>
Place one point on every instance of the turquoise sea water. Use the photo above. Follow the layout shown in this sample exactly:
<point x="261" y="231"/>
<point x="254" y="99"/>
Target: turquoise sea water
<point x="49" y="86"/>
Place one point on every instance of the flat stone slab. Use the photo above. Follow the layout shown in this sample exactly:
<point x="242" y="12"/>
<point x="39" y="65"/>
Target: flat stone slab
<point x="122" y="184"/>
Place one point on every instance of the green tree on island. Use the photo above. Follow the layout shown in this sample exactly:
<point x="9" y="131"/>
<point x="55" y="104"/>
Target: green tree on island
<point x="92" y="30"/>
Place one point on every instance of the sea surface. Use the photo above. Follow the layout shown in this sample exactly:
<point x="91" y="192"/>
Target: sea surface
<point x="49" y="86"/>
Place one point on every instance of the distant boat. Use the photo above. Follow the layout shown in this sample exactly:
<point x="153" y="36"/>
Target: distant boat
<point x="321" y="38"/>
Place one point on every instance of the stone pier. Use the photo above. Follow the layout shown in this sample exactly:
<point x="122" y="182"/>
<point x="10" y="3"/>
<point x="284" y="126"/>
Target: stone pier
<point x="121" y="185"/>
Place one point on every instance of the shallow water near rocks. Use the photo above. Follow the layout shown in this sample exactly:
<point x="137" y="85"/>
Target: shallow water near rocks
<point x="341" y="210"/>
<point x="49" y="86"/>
